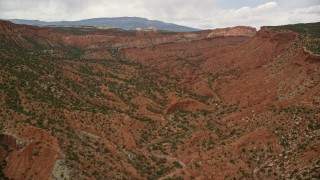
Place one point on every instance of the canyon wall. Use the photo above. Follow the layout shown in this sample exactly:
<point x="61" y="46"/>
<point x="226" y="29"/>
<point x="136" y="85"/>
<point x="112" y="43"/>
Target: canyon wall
<point x="234" y="31"/>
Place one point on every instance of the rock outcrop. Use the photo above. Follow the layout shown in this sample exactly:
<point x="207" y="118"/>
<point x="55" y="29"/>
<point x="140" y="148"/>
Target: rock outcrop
<point x="10" y="141"/>
<point x="234" y="31"/>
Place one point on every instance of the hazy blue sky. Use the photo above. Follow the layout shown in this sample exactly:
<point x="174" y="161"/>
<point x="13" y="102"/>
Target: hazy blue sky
<point x="196" y="13"/>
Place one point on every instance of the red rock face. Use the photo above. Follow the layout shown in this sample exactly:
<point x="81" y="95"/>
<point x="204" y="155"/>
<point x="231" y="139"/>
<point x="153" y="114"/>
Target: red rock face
<point x="8" y="140"/>
<point x="234" y="31"/>
<point x="139" y="41"/>
<point x="9" y="28"/>
<point x="32" y="154"/>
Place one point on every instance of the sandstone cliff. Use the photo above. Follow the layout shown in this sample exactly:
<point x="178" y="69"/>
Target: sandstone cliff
<point x="234" y="31"/>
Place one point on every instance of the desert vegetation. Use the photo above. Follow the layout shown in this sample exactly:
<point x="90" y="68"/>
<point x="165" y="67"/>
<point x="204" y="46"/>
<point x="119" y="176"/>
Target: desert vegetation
<point x="233" y="107"/>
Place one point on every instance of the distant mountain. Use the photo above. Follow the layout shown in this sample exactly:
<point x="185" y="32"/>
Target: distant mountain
<point x="126" y="23"/>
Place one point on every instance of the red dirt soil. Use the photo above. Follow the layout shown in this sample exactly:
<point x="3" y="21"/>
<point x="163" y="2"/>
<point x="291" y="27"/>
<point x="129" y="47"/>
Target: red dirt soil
<point x="217" y="104"/>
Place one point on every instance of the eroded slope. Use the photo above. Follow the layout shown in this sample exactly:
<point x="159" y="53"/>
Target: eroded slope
<point x="157" y="106"/>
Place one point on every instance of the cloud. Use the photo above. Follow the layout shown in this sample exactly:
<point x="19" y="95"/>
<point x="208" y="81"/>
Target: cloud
<point x="309" y="10"/>
<point x="195" y="13"/>
<point x="269" y="13"/>
<point x="179" y="9"/>
<point x="259" y="10"/>
<point x="267" y="7"/>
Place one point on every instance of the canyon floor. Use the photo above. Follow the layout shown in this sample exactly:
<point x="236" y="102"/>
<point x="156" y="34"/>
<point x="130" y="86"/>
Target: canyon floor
<point x="89" y="103"/>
